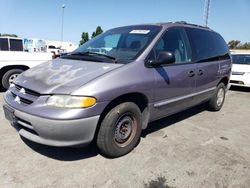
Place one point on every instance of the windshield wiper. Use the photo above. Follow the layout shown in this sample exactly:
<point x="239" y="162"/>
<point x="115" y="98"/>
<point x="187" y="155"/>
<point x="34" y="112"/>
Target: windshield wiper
<point x="93" y="54"/>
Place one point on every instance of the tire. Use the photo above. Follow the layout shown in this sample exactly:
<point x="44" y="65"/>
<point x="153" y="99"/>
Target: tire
<point x="9" y="76"/>
<point x="217" y="101"/>
<point x="120" y="130"/>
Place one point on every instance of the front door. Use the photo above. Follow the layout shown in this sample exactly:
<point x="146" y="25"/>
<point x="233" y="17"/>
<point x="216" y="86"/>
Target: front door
<point x="174" y="82"/>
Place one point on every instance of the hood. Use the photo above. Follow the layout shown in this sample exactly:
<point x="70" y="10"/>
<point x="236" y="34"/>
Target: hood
<point x="241" y="68"/>
<point x="62" y="76"/>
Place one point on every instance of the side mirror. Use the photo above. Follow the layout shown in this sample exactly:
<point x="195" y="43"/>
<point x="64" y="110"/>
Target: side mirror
<point x="163" y="58"/>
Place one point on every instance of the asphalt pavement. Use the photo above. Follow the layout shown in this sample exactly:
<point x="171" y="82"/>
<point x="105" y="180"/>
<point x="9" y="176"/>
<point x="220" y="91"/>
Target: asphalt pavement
<point x="195" y="148"/>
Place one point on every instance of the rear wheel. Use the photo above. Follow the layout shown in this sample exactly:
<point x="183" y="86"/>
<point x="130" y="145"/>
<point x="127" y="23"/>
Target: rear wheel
<point x="120" y="130"/>
<point x="217" y="101"/>
<point x="9" y="77"/>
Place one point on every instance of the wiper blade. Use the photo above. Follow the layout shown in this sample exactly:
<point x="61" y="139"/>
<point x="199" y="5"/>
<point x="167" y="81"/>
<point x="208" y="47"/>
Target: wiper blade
<point x="94" y="53"/>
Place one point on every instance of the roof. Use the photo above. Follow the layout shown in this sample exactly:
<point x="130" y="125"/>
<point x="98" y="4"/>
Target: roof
<point x="183" y="23"/>
<point x="7" y="37"/>
<point x="238" y="51"/>
<point x="176" y="23"/>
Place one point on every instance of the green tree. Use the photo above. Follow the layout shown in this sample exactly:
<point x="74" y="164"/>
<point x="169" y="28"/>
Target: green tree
<point x="233" y="44"/>
<point x="8" y="35"/>
<point x="84" y="38"/>
<point x="93" y="35"/>
<point x="245" y="46"/>
<point x="98" y="31"/>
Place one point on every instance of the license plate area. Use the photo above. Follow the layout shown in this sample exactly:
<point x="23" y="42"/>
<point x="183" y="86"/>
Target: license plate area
<point x="9" y="114"/>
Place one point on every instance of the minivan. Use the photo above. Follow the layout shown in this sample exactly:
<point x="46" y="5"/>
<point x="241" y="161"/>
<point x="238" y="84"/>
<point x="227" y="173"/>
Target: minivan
<point x="111" y="87"/>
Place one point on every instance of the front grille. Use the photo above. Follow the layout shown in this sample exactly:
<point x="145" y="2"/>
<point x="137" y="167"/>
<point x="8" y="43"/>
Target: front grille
<point x="236" y="82"/>
<point x="23" y="100"/>
<point x="237" y="73"/>
<point x="28" y="91"/>
<point x="23" y="95"/>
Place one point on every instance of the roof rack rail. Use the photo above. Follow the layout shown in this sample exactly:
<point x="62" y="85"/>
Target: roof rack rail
<point x="184" y="22"/>
<point x="181" y="22"/>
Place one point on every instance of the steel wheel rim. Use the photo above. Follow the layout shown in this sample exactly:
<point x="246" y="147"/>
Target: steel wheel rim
<point x="12" y="78"/>
<point x="220" y="96"/>
<point x="125" y="130"/>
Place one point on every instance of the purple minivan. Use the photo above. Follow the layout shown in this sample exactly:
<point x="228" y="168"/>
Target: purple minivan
<point x="111" y="87"/>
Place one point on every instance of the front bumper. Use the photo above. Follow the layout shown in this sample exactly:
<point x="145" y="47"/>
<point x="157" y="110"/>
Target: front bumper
<point x="54" y="132"/>
<point x="240" y="80"/>
<point x="51" y="126"/>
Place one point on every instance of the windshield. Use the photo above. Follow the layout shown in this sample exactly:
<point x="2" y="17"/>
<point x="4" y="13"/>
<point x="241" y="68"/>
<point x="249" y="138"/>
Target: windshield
<point x="122" y="44"/>
<point x="241" y="59"/>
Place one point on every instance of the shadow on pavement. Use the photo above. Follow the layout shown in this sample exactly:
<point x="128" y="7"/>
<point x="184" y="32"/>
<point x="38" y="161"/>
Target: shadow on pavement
<point x="63" y="153"/>
<point x="170" y="120"/>
<point x="241" y="89"/>
<point x="73" y="154"/>
<point x="2" y="89"/>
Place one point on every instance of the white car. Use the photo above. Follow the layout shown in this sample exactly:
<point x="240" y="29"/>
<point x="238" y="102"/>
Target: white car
<point x="240" y="70"/>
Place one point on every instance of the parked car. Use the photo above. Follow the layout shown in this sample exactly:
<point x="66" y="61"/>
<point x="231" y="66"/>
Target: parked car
<point x="146" y="73"/>
<point x="241" y="69"/>
<point x="54" y="50"/>
<point x="14" y="63"/>
<point x="14" y="60"/>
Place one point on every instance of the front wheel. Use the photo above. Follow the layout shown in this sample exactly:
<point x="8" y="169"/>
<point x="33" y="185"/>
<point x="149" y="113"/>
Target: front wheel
<point x="217" y="101"/>
<point x="120" y="130"/>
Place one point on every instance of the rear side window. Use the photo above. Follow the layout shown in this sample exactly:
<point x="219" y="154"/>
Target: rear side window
<point x="16" y="45"/>
<point x="4" y="46"/>
<point x="207" y="45"/>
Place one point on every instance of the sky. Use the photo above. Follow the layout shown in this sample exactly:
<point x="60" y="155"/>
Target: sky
<point x="42" y="19"/>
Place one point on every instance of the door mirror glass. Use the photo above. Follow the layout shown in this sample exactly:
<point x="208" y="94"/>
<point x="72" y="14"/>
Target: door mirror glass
<point x="163" y="58"/>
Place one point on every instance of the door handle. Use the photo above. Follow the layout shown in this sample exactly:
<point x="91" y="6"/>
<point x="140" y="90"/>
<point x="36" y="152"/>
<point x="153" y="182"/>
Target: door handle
<point x="200" y="72"/>
<point x="191" y="73"/>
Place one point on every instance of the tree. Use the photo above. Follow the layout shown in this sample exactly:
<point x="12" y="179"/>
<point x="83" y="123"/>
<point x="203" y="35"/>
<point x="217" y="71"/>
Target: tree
<point x="233" y="44"/>
<point x="84" y="38"/>
<point x="236" y="44"/>
<point x="98" y="31"/>
<point x="93" y="35"/>
<point x="8" y="35"/>
<point x="85" y="35"/>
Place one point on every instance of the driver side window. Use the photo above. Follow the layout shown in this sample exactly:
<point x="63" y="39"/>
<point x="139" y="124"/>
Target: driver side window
<point x="175" y="41"/>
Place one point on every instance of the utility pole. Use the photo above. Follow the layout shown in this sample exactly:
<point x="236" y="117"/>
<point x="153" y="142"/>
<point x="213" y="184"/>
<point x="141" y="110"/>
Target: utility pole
<point x="206" y="11"/>
<point x="63" y="6"/>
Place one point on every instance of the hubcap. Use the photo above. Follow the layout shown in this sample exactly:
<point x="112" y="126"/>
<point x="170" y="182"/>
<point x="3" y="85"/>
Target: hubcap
<point x="12" y="78"/>
<point x="125" y="130"/>
<point x="220" y="96"/>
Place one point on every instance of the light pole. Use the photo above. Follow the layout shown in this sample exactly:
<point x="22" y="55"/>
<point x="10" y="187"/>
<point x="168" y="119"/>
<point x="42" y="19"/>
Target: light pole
<point x="63" y="6"/>
<point x="206" y="11"/>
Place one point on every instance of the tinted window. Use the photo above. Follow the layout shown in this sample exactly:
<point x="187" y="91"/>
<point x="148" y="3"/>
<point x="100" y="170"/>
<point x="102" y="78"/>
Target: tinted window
<point x="4" y="44"/>
<point x="241" y="59"/>
<point x="16" y="45"/>
<point x="176" y="42"/>
<point x="207" y="45"/>
<point x="52" y="47"/>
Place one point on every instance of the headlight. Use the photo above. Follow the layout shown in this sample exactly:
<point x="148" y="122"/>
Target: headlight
<point x="67" y="101"/>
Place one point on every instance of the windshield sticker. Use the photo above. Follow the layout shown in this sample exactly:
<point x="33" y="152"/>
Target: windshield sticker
<point x="140" y="32"/>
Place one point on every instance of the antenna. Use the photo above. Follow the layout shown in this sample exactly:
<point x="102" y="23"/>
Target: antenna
<point x="206" y="11"/>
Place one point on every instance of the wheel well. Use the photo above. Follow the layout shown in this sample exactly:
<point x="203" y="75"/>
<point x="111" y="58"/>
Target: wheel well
<point x="224" y="80"/>
<point x="139" y="99"/>
<point x="7" y="68"/>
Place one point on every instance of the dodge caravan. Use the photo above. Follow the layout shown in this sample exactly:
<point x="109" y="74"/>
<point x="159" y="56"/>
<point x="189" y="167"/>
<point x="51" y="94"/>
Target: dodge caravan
<point x="111" y="87"/>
